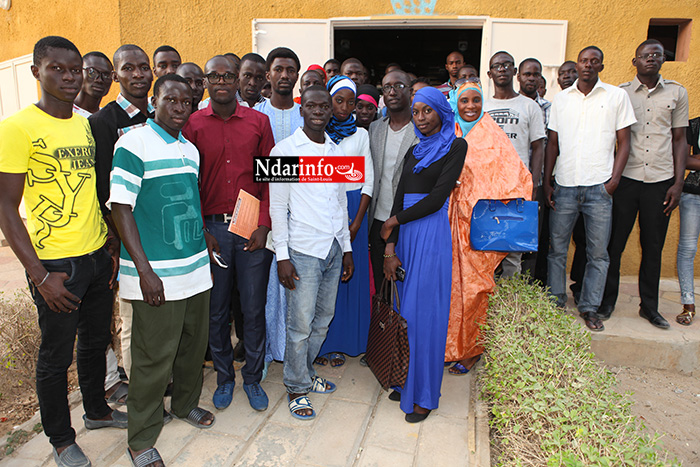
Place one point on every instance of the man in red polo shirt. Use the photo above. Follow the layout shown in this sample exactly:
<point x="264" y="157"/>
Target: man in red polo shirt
<point x="228" y="137"/>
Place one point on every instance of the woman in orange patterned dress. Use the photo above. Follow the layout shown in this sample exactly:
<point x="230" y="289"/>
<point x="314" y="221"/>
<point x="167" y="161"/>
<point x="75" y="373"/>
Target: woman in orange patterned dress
<point x="492" y="170"/>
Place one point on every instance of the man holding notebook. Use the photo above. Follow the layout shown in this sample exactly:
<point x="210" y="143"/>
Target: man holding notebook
<point x="228" y="137"/>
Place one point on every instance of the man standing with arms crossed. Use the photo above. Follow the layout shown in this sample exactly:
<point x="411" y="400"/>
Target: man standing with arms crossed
<point x="652" y="181"/>
<point x="586" y="121"/>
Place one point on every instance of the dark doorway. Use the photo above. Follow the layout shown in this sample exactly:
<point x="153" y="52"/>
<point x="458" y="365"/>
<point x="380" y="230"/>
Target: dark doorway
<point x="418" y="51"/>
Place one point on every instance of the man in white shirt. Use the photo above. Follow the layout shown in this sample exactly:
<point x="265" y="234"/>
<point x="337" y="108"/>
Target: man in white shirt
<point x="521" y="119"/>
<point x="312" y="242"/>
<point x="389" y="139"/>
<point x="585" y="122"/>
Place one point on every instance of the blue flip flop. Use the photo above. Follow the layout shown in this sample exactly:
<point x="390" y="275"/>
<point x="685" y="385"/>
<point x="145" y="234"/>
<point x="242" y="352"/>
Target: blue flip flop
<point x="319" y="386"/>
<point x="301" y="402"/>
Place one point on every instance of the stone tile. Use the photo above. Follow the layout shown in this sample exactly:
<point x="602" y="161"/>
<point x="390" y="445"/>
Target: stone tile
<point x="450" y="435"/>
<point x="674" y="297"/>
<point x="388" y="427"/>
<point x="375" y="456"/>
<point x="337" y="434"/>
<point x="357" y="384"/>
<point x="454" y="399"/>
<point x="274" y="372"/>
<point x="240" y="420"/>
<point x="275" y="445"/>
<point x="103" y="446"/>
<point x="208" y="449"/>
<point x="37" y="449"/>
<point x="174" y="436"/>
<point x="281" y="413"/>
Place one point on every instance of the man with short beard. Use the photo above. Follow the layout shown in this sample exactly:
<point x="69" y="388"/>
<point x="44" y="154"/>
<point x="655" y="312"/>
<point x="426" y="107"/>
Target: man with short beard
<point x="228" y="136"/>
<point x="389" y="139"/>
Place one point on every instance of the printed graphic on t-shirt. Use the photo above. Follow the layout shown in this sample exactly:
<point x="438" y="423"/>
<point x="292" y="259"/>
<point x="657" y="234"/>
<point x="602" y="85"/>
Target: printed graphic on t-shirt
<point x="181" y="221"/>
<point x="67" y="168"/>
<point x="505" y="117"/>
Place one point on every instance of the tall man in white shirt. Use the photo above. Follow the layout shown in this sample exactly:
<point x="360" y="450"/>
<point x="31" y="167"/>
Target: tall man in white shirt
<point x="585" y="122"/>
<point x="389" y="139"/>
<point x="652" y="181"/>
<point x="312" y="242"/>
<point x="521" y="118"/>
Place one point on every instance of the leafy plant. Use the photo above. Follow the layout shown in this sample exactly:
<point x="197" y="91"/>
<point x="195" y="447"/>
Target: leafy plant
<point x="551" y="402"/>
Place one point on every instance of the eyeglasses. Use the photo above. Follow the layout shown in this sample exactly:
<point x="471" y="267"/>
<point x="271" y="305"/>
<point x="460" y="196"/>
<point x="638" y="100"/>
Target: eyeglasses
<point x="396" y="87"/>
<point x="505" y="66"/>
<point x="473" y="79"/>
<point x="654" y="55"/>
<point x="93" y="74"/>
<point x="228" y="77"/>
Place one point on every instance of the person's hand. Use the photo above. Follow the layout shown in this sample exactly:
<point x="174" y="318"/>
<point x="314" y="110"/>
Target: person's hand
<point x="152" y="288"/>
<point x="390" y="266"/>
<point x="354" y="228"/>
<point x="610" y="187"/>
<point x="348" y="266"/>
<point x="388" y="227"/>
<point x="287" y="274"/>
<point x="258" y="239"/>
<point x="113" y="246"/>
<point x="673" y="197"/>
<point x="212" y="245"/>
<point x="548" y="192"/>
<point x="57" y="297"/>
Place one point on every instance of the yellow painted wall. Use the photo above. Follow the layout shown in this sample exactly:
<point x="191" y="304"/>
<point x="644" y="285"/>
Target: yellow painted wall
<point x="202" y="28"/>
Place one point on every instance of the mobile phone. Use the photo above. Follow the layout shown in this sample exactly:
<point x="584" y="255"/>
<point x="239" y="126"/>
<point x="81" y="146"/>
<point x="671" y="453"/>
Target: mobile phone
<point x="400" y="274"/>
<point x="219" y="260"/>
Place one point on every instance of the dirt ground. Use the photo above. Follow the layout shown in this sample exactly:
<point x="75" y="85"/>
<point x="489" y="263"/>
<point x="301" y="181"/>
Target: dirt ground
<point x="668" y="403"/>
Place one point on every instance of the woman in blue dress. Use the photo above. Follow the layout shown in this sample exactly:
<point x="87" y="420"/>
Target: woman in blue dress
<point x="419" y="239"/>
<point x="348" y="331"/>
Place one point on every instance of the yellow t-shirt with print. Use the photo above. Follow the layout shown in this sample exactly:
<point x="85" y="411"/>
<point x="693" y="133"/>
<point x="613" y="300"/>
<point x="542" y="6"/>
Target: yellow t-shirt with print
<point x="60" y="196"/>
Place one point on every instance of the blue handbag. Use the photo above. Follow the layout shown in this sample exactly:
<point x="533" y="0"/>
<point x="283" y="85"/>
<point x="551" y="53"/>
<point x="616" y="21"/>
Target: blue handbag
<point x="499" y="226"/>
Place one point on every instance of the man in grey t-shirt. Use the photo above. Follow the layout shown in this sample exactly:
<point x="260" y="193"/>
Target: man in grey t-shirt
<point x="521" y="119"/>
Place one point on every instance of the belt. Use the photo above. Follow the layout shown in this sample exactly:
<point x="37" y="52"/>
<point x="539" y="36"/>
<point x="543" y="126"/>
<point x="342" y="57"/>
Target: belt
<point x="219" y="217"/>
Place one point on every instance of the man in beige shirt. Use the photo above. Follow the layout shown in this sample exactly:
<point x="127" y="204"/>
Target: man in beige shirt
<point x="652" y="181"/>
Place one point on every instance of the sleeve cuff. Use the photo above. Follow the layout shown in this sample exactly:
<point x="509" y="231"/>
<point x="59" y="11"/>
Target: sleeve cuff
<point x="282" y="252"/>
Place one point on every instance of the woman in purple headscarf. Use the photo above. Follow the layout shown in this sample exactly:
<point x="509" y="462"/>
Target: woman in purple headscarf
<point x="423" y="247"/>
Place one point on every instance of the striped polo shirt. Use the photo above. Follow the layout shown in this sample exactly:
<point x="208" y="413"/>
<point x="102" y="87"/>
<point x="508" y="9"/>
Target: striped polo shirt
<point x="156" y="175"/>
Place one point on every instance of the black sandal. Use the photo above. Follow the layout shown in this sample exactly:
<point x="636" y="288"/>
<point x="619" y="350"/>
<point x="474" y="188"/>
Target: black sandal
<point x="592" y="321"/>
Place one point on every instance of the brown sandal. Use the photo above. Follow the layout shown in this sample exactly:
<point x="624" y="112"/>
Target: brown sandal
<point x="686" y="316"/>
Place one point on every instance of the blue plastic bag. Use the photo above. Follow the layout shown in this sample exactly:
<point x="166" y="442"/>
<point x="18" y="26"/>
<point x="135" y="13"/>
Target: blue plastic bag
<point x="504" y="226"/>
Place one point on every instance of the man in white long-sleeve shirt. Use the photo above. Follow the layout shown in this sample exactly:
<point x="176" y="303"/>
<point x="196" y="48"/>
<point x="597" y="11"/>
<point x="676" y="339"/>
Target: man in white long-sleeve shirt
<point x="312" y="242"/>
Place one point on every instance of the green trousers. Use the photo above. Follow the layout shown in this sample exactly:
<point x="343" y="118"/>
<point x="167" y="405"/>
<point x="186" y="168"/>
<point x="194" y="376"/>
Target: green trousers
<point x="167" y="340"/>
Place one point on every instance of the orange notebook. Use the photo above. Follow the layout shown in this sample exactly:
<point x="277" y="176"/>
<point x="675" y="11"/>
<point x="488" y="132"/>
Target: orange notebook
<point x="245" y="215"/>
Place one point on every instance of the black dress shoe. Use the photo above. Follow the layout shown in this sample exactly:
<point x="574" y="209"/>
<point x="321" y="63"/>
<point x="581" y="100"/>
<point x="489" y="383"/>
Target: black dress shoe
<point x="416" y="417"/>
<point x="395" y="396"/>
<point x="604" y="312"/>
<point x="655" y="319"/>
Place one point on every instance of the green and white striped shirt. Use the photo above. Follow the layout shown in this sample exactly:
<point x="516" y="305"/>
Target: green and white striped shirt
<point x="156" y="175"/>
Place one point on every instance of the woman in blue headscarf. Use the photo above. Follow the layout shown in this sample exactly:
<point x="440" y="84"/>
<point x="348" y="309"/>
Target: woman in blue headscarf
<point x="348" y="331"/>
<point x="423" y="247"/>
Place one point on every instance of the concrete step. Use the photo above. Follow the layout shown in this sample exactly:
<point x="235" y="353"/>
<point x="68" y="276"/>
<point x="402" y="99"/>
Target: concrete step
<point x="630" y="340"/>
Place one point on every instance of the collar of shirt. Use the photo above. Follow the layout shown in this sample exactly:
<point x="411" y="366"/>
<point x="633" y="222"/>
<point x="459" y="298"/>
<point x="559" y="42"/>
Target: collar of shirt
<point x="208" y="111"/>
<point x="165" y="136"/>
<point x="637" y="85"/>
<point x="542" y="102"/>
<point x="597" y="88"/>
<point x="300" y="139"/>
<point x="130" y="108"/>
<point x="242" y="101"/>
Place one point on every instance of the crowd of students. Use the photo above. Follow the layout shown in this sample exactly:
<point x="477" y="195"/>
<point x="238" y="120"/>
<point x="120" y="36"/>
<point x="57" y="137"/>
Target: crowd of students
<point x="140" y="195"/>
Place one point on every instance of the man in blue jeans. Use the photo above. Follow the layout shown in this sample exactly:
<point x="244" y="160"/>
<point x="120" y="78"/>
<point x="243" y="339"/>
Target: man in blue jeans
<point x="585" y="122"/>
<point x="228" y="136"/>
<point x="47" y="155"/>
<point x="312" y="242"/>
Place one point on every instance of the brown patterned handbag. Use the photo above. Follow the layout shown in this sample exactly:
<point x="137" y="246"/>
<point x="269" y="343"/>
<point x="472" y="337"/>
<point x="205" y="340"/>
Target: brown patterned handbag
<point x="387" y="344"/>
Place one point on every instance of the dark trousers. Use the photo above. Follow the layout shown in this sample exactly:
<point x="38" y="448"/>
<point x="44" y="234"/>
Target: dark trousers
<point x="578" y="266"/>
<point x="251" y="270"/>
<point x="88" y="278"/>
<point x="647" y="199"/>
<point x="376" y="253"/>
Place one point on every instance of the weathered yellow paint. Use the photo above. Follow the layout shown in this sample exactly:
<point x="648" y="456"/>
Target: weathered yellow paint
<point x="202" y="28"/>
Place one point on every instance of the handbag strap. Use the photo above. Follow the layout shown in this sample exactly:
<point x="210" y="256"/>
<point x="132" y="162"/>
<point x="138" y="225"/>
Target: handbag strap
<point x="395" y="296"/>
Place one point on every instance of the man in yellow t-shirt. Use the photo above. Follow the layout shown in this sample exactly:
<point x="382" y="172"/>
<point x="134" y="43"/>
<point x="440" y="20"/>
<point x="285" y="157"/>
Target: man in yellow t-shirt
<point x="47" y="154"/>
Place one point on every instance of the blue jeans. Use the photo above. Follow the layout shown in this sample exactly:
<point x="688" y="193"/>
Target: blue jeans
<point x="88" y="278"/>
<point x="688" y="245"/>
<point x="595" y="204"/>
<point x="251" y="270"/>
<point x="310" y="309"/>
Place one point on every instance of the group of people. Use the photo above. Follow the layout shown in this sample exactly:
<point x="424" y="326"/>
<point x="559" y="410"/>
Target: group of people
<point x="140" y="193"/>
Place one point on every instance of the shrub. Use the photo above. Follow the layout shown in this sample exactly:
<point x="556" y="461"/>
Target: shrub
<point x="20" y="338"/>
<point x="551" y="403"/>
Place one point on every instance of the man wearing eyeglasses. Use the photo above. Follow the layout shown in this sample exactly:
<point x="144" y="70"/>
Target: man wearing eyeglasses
<point x="97" y="80"/>
<point x="586" y="123"/>
<point x="228" y="136"/>
<point x="652" y="180"/>
<point x="521" y="119"/>
<point x="389" y="139"/>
